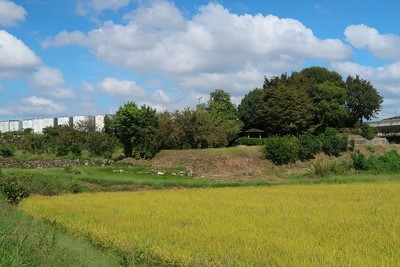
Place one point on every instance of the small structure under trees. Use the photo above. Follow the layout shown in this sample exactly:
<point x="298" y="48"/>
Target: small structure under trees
<point x="253" y="132"/>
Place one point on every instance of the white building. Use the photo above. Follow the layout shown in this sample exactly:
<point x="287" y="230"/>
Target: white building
<point x="27" y="124"/>
<point x="82" y="119"/>
<point x="40" y="124"/>
<point x="15" y="126"/>
<point x="67" y="121"/>
<point x="99" y="120"/>
<point x="4" y="126"/>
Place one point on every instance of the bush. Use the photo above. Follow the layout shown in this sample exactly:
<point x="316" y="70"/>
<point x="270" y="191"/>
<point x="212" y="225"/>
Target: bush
<point x="13" y="189"/>
<point x="101" y="144"/>
<point x="332" y="143"/>
<point x="7" y="150"/>
<point x="250" y="141"/>
<point x="367" y="131"/>
<point x="309" y="146"/>
<point x="387" y="163"/>
<point x="62" y="150"/>
<point x="76" y="150"/>
<point x="281" y="150"/>
<point x="359" y="161"/>
<point x="324" y="169"/>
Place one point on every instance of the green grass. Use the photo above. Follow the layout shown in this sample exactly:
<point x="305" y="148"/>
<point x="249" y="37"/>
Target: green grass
<point x="25" y="242"/>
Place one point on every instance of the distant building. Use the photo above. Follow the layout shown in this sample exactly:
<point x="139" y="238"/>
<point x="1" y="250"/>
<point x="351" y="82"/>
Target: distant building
<point x="99" y="120"/>
<point x="27" y="124"/>
<point x="82" y="119"/>
<point x="4" y="126"/>
<point x="40" y="124"/>
<point x="15" y="126"/>
<point x="66" y="121"/>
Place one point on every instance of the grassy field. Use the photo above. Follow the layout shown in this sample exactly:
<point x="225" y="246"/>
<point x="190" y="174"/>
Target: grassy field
<point x="289" y="225"/>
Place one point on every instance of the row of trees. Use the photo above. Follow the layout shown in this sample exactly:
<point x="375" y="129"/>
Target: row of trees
<point x="310" y="100"/>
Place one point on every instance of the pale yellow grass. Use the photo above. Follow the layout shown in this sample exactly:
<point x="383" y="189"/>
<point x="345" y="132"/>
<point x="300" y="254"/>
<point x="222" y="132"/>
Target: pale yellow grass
<point x="318" y="225"/>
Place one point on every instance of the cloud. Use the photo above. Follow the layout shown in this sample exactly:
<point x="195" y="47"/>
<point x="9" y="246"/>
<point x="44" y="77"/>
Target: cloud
<point x="15" y="57"/>
<point x="49" y="81"/>
<point x="120" y="88"/>
<point x="10" y="13"/>
<point x="383" y="46"/>
<point x="212" y="45"/>
<point x="40" y="106"/>
<point x="84" y="7"/>
<point x="321" y="9"/>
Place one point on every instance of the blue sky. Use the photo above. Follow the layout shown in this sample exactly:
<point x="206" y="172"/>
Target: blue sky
<point x="70" y="57"/>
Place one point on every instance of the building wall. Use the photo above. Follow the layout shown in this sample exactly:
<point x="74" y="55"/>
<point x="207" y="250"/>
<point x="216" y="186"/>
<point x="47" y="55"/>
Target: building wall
<point x="4" y="126"/>
<point x="40" y="124"/>
<point x="99" y="121"/>
<point x="84" y="118"/>
<point x="15" y="126"/>
<point x="67" y="121"/>
<point x="26" y="124"/>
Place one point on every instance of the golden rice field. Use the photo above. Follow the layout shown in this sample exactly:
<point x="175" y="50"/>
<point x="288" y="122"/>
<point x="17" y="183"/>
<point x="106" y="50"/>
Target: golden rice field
<point x="299" y="225"/>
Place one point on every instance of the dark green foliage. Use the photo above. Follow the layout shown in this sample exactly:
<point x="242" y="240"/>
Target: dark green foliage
<point x="363" y="100"/>
<point x="101" y="144"/>
<point x="35" y="143"/>
<point x="332" y="143"/>
<point x="76" y="150"/>
<point x="309" y="146"/>
<point x="352" y="144"/>
<point x="367" y="131"/>
<point x="281" y="150"/>
<point x="286" y="109"/>
<point x="13" y="189"/>
<point x="248" y="141"/>
<point x="62" y="150"/>
<point x="359" y="161"/>
<point x="387" y="163"/>
<point x="7" y="150"/>
<point x="248" y="109"/>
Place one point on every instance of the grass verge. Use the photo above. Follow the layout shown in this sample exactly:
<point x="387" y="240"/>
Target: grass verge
<point x="25" y="242"/>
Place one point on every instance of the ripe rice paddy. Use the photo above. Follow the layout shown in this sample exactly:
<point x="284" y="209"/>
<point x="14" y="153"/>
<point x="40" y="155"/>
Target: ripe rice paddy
<point x="296" y="225"/>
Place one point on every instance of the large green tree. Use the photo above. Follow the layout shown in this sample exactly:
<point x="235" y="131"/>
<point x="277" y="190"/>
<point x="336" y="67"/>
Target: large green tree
<point x="136" y="128"/>
<point x="286" y="109"/>
<point x="363" y="100"/>
<point x="248" y="109"/>
<point x="329" y="111"/>
<point x="221" y="104"/>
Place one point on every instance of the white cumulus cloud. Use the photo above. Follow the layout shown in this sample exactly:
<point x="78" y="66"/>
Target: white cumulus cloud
<point x="40" y="106"/>
<point x="10" y="13"/>
<point x="384" y="46"/>
<point x="15" y="57"/>
<point x="120" y="87"/>
<point x="49" y="81"/>
<point x="214" y="45"/>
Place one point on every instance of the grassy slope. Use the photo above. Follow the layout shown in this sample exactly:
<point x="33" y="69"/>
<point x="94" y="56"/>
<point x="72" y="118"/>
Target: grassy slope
<point x="25" y="242"/>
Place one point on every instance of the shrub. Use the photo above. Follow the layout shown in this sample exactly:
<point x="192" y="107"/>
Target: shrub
<point x="250" y="141"/>
<point x="322" y="169"/>
<point x="62" y="150"/>
<point x="352" y="144"/>
<point x="76" y="149"/>
<point x="101" y="144"/>
<point x="359" y="161"/>
<point x="367" y="131"/>
<point x="7" y="150"/>
<point x="309" y="146"/>
<point x="332" y="143"/>
<point x="281" y="150"/>
<point x="13" y="189"/>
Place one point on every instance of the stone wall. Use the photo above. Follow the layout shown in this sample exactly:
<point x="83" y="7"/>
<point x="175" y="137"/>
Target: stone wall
<point x="58" y="163"/>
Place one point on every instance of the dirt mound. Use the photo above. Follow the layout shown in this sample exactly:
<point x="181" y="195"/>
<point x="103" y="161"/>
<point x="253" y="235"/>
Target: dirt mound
<point x="234" y="163"/>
